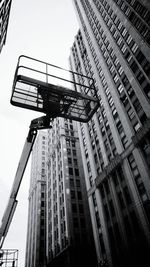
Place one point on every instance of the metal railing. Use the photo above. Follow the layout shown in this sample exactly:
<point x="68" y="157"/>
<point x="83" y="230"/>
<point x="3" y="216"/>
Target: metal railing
<point x="8" y="257"/>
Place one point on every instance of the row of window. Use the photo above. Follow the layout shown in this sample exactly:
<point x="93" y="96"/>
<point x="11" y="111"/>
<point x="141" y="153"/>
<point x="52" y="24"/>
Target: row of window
<point x="93" y="132"/>
<point x="119" y="81"/>
<point x="4" y="17"/>
<point x="119" y="33"/>
<point x="139" y="22"/>
<point x="115" y="116"/>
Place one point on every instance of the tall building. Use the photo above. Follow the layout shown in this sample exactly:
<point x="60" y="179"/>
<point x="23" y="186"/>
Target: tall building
<point x="59" y="225"/>
<point x="36" y="231"/>
<point x="113" y="47"/>
<point x="5" y="6"/>
<point x="69" y="232"/>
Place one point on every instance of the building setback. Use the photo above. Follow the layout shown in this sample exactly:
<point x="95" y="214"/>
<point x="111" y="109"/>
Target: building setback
<point x="5" y="6"/>
<point x="36" y="231"/>
<point x="113" y="47"/>
<point x="69" y="232"/>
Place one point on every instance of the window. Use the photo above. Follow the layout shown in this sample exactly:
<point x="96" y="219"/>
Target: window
<point x="120" y="88"/>
<point x="81" y="208"/>
<point x="93" y="144"/>
<point x="106" y="145"/>
<point x="72" y="194"/>
<point x="74" y="153"/>
<point x="137" y="126"/>
<point x="120" y="71"/>
<point x="130" y="92"/>
<point x="78" y="183"/>
<point x="134" y="67"/>
<point x="76" y="172"/>
<point x="88" y="166"/>
<point x="137" y="105"/>
<point x="75" y="162"/>
<point x="73" y="143"/>
<point x="42" y="195"/>
<point x="124" y="32"/>
<point x="67" y="142"/>
<point x="69" y="160"/>
<point x="134" y="48"/>
<point x="123" y="49"/>
<point x="74" y="208"/>
<point x="129" y="39"/>
<point x="68" y="151"/>
<point x="79" y="195"/>
<point x="95" y="158"/>
<point x="103" y="131"/>
<point x="141" y="78"/>
<point x="42" y="203"/>
<point x="70" y="171"/>
<point x="71" y="182"/>
<point x="97" y="219"/>
<point x="140" y="57"/>
<point x="125" y="80"/>
<point x="132" y="161"/>
<point x="124" y="140"/>
<point x="131" y="113"/>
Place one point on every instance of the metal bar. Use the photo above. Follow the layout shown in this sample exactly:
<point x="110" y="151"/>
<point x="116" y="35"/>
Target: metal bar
<point x="46" y="73"/>
<point x="25" y="94"/>
<point x="23" y="90"/>
<point x="31" y="101"/>
<point x="53" y="76"/>
<point x="90" y="78"/>
<point x="57" y="89"/>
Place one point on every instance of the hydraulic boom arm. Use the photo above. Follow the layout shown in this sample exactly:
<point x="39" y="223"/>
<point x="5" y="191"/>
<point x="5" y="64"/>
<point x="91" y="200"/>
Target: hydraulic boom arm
<point x="37" y="124"/>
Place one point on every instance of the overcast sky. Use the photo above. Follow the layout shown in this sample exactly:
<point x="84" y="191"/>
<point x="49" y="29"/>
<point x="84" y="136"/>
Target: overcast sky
<point x="43" y="29"/>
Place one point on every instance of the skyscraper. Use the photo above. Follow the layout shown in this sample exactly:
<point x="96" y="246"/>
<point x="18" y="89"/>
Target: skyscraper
<point x="69" y="232"/>
<point x="59" y="224"/>
<point x="113" y="47"/>
<point x="36" y="232"/>
<point x="5" y="6"/>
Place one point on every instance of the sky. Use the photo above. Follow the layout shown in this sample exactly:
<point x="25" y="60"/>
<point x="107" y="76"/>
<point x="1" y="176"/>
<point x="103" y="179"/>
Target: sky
<point x="44" y="30"/>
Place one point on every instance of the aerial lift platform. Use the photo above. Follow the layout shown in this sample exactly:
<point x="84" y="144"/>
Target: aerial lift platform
<point x="46" y="88"/>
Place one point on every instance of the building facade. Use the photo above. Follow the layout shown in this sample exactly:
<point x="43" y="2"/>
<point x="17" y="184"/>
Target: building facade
<point x="113" y="47"/>
<point x="69" y="232"/>
<point x="36" y="231"/>
<point x="5" y="6"/>
<point x="59" y="225"/>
